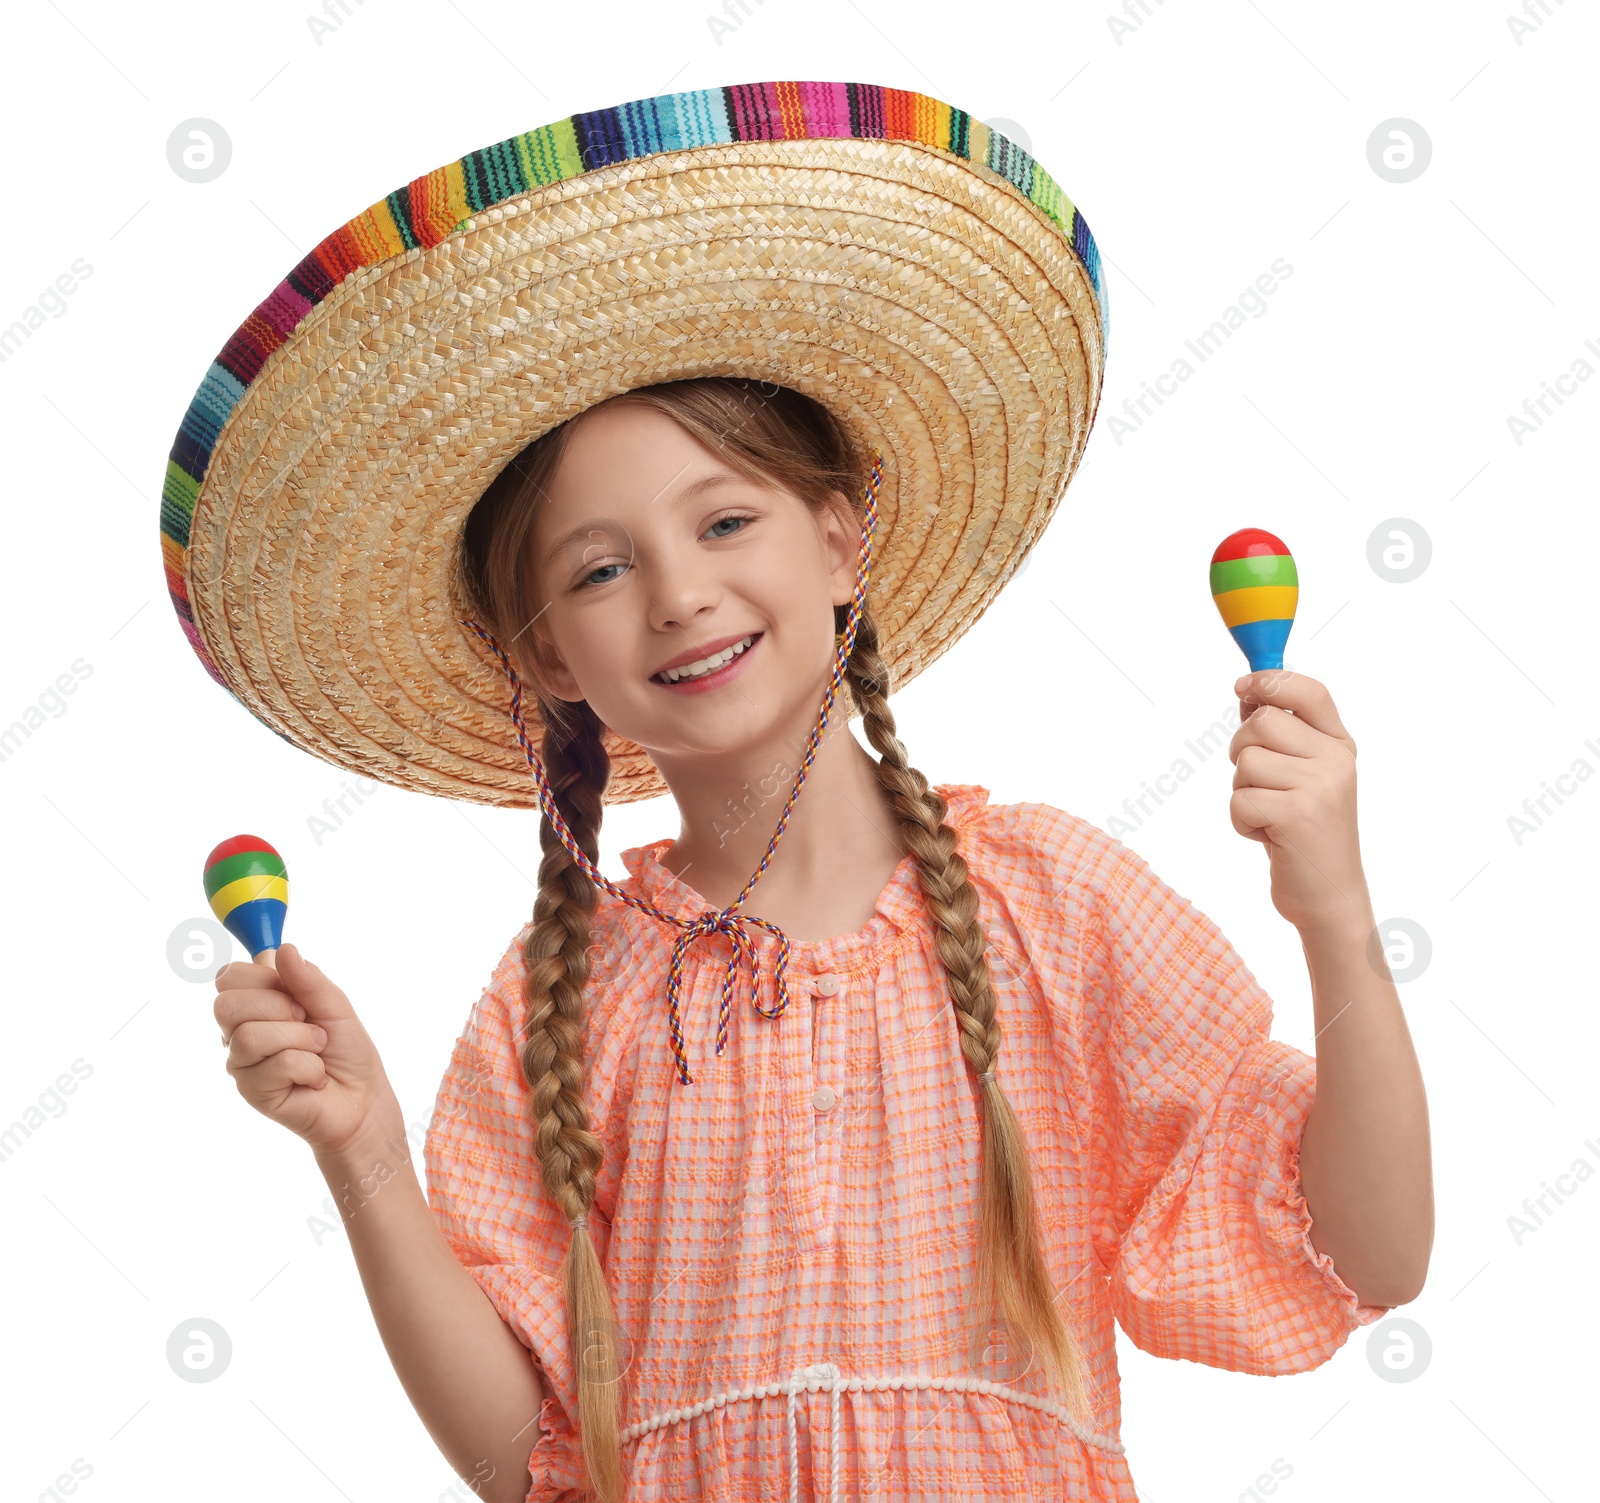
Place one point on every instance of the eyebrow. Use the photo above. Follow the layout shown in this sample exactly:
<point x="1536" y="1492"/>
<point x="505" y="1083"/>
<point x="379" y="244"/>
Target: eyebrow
<point x="689" y="493"/>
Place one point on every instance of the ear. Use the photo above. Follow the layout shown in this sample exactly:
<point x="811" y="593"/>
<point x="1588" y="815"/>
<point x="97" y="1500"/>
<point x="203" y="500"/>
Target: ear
<point x="841" y="543"/>
<point x="560" y="684"/>
<point x="549" y="668"/>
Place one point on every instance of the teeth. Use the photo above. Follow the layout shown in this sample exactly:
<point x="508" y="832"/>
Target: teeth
<point x="703" y="666"/>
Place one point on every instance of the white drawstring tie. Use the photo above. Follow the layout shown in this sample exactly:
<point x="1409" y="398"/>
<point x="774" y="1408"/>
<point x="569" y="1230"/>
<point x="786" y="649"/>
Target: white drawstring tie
<point x="811" y="1379"/>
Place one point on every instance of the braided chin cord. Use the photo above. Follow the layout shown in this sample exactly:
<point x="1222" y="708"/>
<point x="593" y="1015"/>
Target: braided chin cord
<point x="728" y="921"/>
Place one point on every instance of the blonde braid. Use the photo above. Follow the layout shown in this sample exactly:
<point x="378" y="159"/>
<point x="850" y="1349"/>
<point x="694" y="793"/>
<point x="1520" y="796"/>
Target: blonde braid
<point x="1012" y="1276"/>
<point x="569" y="1151"/>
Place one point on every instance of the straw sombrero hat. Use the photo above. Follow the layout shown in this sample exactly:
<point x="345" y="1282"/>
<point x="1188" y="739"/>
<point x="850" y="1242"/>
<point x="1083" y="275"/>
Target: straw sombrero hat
<point x="878" y="250"/>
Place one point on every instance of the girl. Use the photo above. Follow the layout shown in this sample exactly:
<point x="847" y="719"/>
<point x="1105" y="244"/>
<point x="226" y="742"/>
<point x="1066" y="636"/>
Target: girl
<point x="799" y="1248"/>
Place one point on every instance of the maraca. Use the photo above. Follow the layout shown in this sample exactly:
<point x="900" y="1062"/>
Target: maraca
<point x="1256" y="588"/>
<point x="248" y="889"/>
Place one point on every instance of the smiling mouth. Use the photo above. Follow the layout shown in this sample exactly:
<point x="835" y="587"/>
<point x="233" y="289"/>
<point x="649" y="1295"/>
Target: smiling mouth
<point x="707" y="667"/>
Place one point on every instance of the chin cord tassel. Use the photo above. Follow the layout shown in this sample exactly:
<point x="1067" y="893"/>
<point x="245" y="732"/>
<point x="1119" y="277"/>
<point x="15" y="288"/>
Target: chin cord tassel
<point x="728" y="921"/>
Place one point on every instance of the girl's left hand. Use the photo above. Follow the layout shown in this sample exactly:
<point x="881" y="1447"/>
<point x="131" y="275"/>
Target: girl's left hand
<point x="1295" y="791"/>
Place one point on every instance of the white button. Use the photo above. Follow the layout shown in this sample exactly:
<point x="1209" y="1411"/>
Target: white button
<point x="828" y="984"/>
<point x="823" y="1098"/>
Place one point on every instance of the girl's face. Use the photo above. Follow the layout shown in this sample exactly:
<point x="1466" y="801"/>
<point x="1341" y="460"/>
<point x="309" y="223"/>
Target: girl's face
<point x="650" y="551"/>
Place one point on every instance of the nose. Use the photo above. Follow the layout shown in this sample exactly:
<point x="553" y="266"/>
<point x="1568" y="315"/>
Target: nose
<point x="681" y="591"/>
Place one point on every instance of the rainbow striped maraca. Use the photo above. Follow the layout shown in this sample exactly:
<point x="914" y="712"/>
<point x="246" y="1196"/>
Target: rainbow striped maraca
<point x="248" y="889"/>
<point x="1255" y="586"/>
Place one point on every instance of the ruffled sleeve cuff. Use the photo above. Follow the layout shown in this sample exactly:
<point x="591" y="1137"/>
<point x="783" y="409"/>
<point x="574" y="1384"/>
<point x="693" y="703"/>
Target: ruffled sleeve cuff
<point x="555" y="1465"/>
<point x="1346" y="1301"/>
<point x="529" y="1303"/>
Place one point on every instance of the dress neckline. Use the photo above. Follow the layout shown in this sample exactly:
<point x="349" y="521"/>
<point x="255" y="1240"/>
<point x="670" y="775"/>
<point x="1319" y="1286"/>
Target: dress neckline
<point x="899" y="909"/>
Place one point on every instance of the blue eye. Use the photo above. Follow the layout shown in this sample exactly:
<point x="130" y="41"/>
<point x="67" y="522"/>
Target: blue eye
<point x="590" y="580"/>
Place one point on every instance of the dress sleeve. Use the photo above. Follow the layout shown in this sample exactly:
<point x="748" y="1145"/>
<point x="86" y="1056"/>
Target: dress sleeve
<point x="1200" y="1218"/>
<point x="487" y="1196"/>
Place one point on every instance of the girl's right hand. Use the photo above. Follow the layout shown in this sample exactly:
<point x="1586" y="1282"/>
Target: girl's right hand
<point x="300" y="1055"/>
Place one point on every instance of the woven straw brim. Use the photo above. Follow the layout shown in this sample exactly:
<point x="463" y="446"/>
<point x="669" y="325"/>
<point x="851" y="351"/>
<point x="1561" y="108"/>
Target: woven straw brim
<point x="939" y="313"/>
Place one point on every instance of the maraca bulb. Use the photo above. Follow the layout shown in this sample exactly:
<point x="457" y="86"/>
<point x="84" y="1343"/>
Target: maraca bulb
<point x="1256" y="588"/>
<point x="248" y="889"/>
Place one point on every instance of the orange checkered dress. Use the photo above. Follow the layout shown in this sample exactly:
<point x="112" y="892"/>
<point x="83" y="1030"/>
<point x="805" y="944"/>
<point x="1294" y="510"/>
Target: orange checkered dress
<point x="789" y="1240"/>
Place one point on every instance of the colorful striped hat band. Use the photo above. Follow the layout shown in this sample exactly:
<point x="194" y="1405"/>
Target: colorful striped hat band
<point x="711" y="921"/>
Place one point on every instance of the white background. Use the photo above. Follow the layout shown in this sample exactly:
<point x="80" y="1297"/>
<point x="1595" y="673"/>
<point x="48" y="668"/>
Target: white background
<point x="1201" y="145"/>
